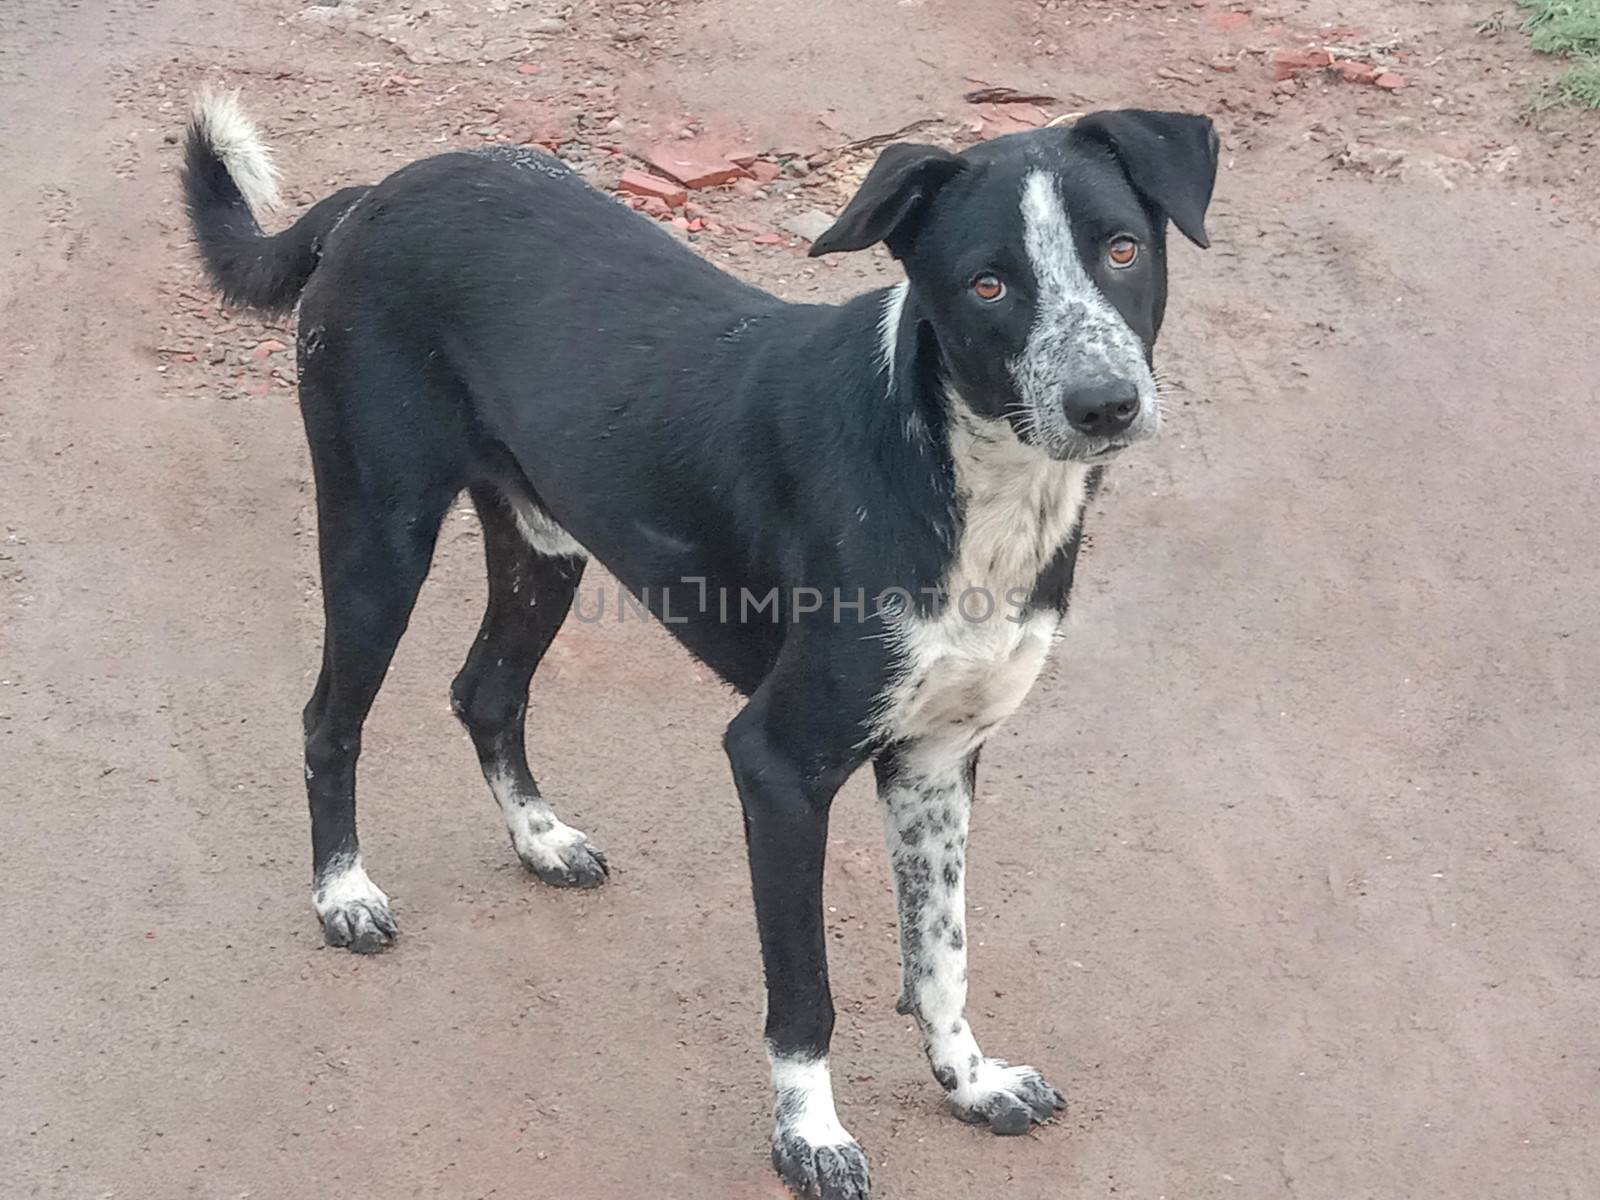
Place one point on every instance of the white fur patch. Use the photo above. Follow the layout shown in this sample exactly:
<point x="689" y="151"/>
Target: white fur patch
<point x="802" y="1091"/>
<point x="541" y="839"/>
<point x="345" y="885"/>
<point x="232" y="135"/>
<point x="1077" y="337"/>
<point x="889" y="327"/>
<point x="540" y="532"/>
<point x="966" y="669"/>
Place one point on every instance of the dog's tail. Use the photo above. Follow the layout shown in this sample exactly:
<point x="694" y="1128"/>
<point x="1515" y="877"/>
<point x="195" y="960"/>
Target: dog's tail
<point x="228" y="177"/>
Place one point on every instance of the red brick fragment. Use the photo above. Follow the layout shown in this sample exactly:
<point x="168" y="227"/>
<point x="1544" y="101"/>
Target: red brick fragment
<point x="768" y="239"/>
<point x="641" y="184"/>
<point x="765" y="170"/>
<point x="1285" y="63"/>
<point x="1230" y="22"/>
<point x="1355" y="72"/>
<point x="691" y="166"/>
<point x="1390" y="81"/>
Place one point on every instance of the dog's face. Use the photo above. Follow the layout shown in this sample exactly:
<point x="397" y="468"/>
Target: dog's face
<point x="1037" y="267"/>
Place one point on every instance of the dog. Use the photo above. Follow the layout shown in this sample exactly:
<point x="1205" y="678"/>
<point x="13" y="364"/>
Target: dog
<point x="864" y="517"/>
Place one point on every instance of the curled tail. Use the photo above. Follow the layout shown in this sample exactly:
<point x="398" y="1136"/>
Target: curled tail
<point x="228" y="177"/>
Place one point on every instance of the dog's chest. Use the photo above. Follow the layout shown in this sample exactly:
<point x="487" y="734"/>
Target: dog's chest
<point x="963" y="671"/>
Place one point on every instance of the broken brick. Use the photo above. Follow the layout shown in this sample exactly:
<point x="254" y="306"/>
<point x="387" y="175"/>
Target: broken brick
<point x="268" y="347"/>
<point x="1286" y="62"/>
<point x="1355" y="72"/>
<point x="639" y="183"/>
<point x="692" y="167"/>
<point x="768" y="239"/>
<point x="765" y="170"/>
<point x="1390" y="81"/>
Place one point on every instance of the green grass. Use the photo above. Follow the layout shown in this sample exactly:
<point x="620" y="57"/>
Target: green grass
<point x="1570" y="28"/>
<point x="1581" y="84"/>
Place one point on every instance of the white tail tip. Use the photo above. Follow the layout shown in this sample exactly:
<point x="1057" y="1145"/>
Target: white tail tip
<point x="222" y="123"/>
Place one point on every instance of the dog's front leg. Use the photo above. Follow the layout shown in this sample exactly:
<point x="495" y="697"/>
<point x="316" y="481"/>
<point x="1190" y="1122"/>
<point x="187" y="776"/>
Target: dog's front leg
<point x="926" y="792"/>
<point x="790" y="752"/>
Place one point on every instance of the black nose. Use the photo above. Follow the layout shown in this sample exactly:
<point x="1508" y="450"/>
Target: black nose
<point x="1102" y="409"/>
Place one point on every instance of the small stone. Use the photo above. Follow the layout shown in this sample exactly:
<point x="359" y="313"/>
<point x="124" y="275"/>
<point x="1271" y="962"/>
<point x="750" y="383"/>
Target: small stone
<point x="810" y="224"/>
<point x="264" y="349"/>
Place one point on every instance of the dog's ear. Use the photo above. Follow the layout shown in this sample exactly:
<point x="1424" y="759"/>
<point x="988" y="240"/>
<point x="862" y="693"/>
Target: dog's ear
<point x="1170" y="158"/>
<point x="903" y="179"/>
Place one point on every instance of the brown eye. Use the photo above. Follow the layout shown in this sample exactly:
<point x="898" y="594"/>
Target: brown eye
<point x="1123" y="251"/>
<point x="988" y="287"/>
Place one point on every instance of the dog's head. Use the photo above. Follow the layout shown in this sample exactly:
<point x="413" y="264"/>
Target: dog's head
<point x="1037" y="267"/>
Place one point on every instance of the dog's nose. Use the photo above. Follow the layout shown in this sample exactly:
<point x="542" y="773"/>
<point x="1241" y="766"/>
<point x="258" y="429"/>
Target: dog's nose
<point x="1102" y="409"/>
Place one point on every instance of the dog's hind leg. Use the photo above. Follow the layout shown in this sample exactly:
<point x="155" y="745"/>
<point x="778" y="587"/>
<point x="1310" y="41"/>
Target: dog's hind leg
<point x="376" y="532"/>
<point x="534" y="570"/>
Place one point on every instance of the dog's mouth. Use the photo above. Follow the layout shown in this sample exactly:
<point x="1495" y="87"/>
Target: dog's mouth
<point x="1107" y="452"/>
<point x="1093" y="452"/>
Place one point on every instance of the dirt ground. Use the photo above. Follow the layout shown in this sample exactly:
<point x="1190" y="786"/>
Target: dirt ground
<point x="1288" y="873"/>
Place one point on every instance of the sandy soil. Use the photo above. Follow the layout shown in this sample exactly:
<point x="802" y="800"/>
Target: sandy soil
<point x="1288" y="873"/>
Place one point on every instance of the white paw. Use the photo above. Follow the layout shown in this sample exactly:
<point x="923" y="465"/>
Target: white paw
<point x="813" y="1152"/>
<point x="1008" y="1099"/>
<point x="557" y="853"/>
<point x="353" y="910"/>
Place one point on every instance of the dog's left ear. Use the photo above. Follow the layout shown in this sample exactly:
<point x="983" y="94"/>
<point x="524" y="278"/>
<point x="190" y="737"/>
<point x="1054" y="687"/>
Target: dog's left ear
<point x="901" y="182"/>
<point x="1170" y="158"/>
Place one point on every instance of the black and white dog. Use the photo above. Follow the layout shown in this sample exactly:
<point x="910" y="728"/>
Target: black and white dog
<point x="863" y="517"/>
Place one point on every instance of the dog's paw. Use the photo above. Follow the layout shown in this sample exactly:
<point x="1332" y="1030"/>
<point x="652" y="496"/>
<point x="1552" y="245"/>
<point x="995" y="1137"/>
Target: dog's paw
<point x="833" y="1171"/>
<point x="562" y="856"/>
<point x="1009" y="1100"/>
<point x="353" y="910"/>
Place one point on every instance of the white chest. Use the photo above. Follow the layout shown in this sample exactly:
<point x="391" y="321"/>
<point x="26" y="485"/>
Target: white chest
<point x="965" y="670"/>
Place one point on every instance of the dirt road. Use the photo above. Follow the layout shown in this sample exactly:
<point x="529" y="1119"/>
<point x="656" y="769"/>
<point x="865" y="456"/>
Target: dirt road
<point x="1288" y="873"/>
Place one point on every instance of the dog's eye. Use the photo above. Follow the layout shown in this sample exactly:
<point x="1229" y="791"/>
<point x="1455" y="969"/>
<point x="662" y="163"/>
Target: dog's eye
<point x="988" y="287"/>
<point x="1123" y="251"/>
